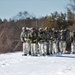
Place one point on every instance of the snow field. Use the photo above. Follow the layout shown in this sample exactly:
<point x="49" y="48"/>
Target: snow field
<point x="16" y="64"/>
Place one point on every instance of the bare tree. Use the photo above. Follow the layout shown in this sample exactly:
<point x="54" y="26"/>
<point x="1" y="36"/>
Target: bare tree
<point x="71" y="5"/>
<point x="25" y="13"/>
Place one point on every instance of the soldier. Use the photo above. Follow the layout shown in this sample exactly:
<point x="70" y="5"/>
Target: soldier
<point x="68" y="41"/>
<point x="54" y="42"/>
<point x="48" y="41"/>
<point x="25" y="41"/>
<point x="62" y="43"/>
<point x="33" y="39"/>
<point x="73" y="43"/>
<point x="41" y="40"/>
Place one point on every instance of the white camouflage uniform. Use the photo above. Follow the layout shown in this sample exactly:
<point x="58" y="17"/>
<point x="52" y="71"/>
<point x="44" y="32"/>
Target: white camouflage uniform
<point x="33" y="41"/>
<point x="73" y="42"/>
<point x="25" y="41"/>
<point x="62" y="43"/>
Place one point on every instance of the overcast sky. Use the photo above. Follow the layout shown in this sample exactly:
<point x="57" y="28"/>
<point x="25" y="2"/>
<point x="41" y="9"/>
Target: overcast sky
<point x="9" y="8"/>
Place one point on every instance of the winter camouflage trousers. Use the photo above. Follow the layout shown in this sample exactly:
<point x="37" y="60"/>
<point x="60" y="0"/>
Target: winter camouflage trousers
<point x="34" y="49"/>
<point x="50" y="47"/>
<point x="26" y="47"/>
<point x="73" y="47"/>
<point x="42" y="48"/>
<point x="62" y="46"/>
<point x="54" y="47"/>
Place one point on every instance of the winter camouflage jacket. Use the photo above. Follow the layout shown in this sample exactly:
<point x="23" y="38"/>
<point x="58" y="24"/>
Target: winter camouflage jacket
<point x="24" y="36"/>
<point x="33" y="37"/>
<point x="41" y="37"/>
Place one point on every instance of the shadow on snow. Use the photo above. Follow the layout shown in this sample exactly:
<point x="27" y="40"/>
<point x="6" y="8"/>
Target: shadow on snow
<point x="63" y="55"/>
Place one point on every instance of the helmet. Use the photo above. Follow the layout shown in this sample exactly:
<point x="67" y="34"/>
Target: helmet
<point x="40" y="29"/>
<point x="73" y="31"/>
<point x="61" y="31"/>
<point x="33" y="28"/>
<point x="23" y="28"/>
<point x="53" y="29"/>
<point x="46" y="28"/>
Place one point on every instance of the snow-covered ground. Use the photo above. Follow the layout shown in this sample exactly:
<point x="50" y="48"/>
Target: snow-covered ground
<point x="16" y="64"/>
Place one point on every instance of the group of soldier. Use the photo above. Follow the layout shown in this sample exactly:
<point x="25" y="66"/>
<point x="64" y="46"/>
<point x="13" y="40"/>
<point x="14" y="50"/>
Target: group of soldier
<point x="46" y="41"/>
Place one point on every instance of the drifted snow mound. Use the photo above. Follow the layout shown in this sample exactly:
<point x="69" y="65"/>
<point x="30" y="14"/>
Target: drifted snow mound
<point x="16" y="64"/>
